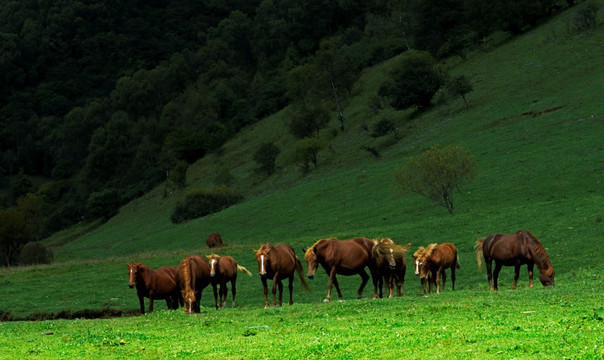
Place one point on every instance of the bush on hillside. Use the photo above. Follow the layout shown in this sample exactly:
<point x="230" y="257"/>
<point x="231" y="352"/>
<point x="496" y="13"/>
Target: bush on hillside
<point x="35" y="253"/>
<point x="202" y="202"/>
<point x="265" y="157"/>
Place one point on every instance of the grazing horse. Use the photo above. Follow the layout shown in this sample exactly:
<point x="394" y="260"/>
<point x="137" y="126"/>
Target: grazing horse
<point x="278" y="262"/>
<point x="343" y="257"/>
<point x="222" y="270"/>
<point x="514" y="250"/>
<point x="214" y="240"/>
<point x="431" y="263"/>
<point x="155" y="284"/>
<point x="192" y="276"/>
<point x="389" y="260"/>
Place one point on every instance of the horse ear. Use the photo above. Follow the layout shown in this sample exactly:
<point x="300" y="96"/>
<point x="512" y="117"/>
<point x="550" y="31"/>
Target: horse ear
<point x="303" y="250"/>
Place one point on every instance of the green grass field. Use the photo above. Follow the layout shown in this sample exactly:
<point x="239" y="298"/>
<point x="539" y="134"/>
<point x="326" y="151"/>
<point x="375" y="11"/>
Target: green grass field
<point x="535" y="125"/>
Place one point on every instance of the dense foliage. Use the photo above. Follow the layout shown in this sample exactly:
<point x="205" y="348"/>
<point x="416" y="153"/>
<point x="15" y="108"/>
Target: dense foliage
<point x="102" y="97"/>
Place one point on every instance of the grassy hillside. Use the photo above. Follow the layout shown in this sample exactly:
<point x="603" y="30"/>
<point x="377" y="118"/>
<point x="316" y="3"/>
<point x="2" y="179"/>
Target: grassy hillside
<point x="535" y="123"/>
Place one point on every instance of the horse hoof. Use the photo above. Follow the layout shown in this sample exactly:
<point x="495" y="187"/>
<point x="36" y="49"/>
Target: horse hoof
<point x="326" y="300"/>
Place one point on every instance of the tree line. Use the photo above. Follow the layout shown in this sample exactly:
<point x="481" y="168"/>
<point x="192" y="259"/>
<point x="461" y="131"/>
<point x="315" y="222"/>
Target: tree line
<point x="105" y="99"/>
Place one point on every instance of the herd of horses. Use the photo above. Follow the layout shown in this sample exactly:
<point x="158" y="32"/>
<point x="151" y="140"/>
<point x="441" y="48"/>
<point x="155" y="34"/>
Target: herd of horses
<point x="182" y="285"/>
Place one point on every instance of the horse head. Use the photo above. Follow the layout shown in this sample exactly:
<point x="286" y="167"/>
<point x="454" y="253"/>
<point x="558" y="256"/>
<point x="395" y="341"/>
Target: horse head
<point x="547" y="277"/>
<point x="213" y="260"/>
<point x="310" y="255"/>
<point x="264" y="259"/>
<point x="132" y="273"/>
<point x="417" y="256"/>
<point x="190" y="300"/>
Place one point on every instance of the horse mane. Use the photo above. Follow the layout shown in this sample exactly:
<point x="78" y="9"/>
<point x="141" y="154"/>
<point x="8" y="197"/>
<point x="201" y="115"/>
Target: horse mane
<point x="186" y="270"/>
<point x="310" y="250"/>
<point x="213" y="256"/>
<point x="542" y="261"/>
<point x="427" y="253"/>
<point x="382" y="247"/>
<point x="418" y="252"/>
<point x="478" y="250"/>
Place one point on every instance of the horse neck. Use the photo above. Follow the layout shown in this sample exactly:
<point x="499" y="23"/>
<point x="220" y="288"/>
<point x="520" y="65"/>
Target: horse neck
<point x="540" y="257"/>
<point x="144" y="272"/>
<point x="186" y="271"/>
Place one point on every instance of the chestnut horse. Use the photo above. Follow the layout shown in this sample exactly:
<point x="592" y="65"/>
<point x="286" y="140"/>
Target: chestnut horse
<point x="192" y="276"/>
<point x="214" y="240"/>
<point x="223" y="269"/>
<point x="389" y="260"/>
<point x="514" y="250"/>
<point x="155" y="284"/>
<point x="431" y="263"/>
<point x="343" y="257"/>
<point x="278" y="262"/>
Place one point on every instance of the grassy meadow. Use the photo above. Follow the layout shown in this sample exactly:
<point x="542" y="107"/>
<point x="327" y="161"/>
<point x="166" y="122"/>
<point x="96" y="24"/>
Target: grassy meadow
<point x="535" y="125"/>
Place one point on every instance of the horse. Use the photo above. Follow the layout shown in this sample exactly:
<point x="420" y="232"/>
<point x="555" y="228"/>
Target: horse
<point x="389" y="260"/>
<point x="278" y="262"/>
<point x="222" y="270"/>
<point x="432" y="261"/>
<point x="343" y="257"/>
<point x="192" y="276"/>
<point x="214" y="240"/>
<point x="514" y="250"/>
<point x="155" y="284"/>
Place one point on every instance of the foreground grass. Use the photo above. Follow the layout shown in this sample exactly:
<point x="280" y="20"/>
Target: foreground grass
<point x="560" y="322"/>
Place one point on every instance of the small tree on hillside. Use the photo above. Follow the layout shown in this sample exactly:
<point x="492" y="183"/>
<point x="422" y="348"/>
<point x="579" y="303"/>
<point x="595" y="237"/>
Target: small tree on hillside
<point x="265" y="157"/>
<point x="459" y="86"/>
<point x="414" y="80"/>
<point x="437" y="173"/>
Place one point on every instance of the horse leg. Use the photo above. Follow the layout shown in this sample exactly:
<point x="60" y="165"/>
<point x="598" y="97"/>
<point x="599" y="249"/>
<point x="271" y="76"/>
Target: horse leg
<point x="223" y="292"/>
<point x="214" y="288"/>
<point x="151" y="294"/>
<point x="516" y="275"/>
<point x="291" y="289"/>
<point x="280" y="284"/>
<point x="496" y="274"/>
<point x="265" y="288"/>
<point x="444" y="274"/>
<point x="489" y="264"/>
<point x="380" y="285"/>
<point x="529" y="265"/>
<point x="390" y="285"/>
<point x="141" y="300"/>
<point x="332" y="280"/>
<point x="365" y="278"/>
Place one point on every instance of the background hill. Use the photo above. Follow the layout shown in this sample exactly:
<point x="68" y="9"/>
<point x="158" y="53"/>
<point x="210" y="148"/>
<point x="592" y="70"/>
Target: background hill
<point x="534" y="124"/>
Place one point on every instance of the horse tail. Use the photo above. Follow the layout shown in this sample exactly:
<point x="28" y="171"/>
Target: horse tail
<point x="241" y="268"/>
<point x="478" y="250"/>
<point x="300" y="271"/>
<point x="457" y="265"/>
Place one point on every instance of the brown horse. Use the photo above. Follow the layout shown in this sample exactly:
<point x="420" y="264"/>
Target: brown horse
<point x="192" y="276"/>
<point x="223" y="269"/>
<point x="389" y="260"/>
<point x="278" y="262"/>
<point x="155" y="284"/>
<point x="214" y="240"/>
<point x="514" y="250"/>
<point x="431" y="263"/>
<point x="343" y="257"/>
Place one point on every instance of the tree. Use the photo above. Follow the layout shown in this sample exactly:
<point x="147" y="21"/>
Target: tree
<point x="437" y="173"/>
<point x="459" y="86"/>
<point x="19" y="225"/>
<point x="415" y="79"/>
<point x="306" y="152"/>
<point x="265" y="157"/>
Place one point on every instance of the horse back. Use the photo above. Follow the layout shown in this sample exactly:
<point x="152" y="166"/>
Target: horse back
<point x="283" y="259"/>
<point x="505" y="248"/>
<point x="445" y="255"/>
<point x="348" y="256"/>
<point x="228" y="267"/>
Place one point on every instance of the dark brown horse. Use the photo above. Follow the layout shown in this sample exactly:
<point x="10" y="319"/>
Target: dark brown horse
<point x="343" y="257"/>
<point x="278" y="262"/>
<point x="157" y="284"/>
<point x="214" y="240"/>
<point x="223" y="269"/>
<point x="431" y="263"/>
<point x="514" y="250"/>
<point x="389" y="260"/>
<point x="192" y="276"/>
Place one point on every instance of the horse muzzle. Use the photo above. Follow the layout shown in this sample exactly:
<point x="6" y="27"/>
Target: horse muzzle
<point x="131" y="285"/>
<point x="392" y="267"/>
<point x="311" y="277"/>
<point x="212" y="274"/>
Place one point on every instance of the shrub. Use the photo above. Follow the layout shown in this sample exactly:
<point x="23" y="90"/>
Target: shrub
<point x="178" y="174"/>
<point x="35" y="253"/>
<point x="383" y="127"/>
<point x="202" y="202"/>
<point x="265" y="157"/>
<point x="306" y="152"/>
